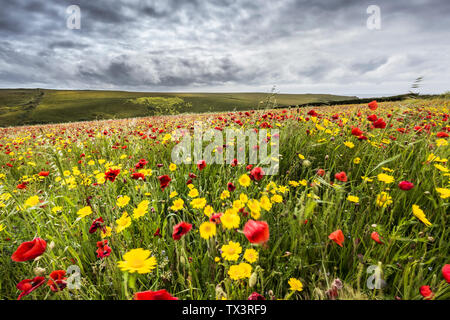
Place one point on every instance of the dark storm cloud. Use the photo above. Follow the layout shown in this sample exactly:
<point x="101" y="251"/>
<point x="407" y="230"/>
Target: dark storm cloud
<point x="234" y="45"/>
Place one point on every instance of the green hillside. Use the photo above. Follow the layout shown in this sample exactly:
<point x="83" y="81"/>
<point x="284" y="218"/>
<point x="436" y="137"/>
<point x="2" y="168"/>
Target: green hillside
<point x="36" y="106"/>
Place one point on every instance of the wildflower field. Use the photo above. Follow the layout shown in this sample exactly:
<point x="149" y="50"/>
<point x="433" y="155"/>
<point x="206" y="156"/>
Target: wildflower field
<point x="358" y="209"/>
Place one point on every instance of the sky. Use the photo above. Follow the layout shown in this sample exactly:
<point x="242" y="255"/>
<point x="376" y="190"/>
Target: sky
<point x="299" y="46"/>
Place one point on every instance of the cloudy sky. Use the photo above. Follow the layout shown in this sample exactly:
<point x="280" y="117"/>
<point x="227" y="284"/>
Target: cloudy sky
<point x="316" y="46"/>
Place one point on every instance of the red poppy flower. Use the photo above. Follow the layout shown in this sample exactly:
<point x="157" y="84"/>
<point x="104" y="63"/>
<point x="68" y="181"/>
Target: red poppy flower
<point x="22" y="186"/>
<point x="215" y="218"/>
<point x="341" y="176"/>
<point x="442" y="134"/>
<point x="164" y="181"/>
<point x="103" y="250"/>
<point x="29" y="250"/>
<point x="44" y="173"/>
<point x="201" y="164"/>
<point x="312" y="113"/>
<point x="57" y="280"/>
<point x="231" y="187"/>
<point x="141" y="164"/>
<point x="372" y="118"/>
<point x="256" y="174"/>
<point x="320" y="172"/>
<point x="376" y="237"/>
<point x="406" y="185"/>
<point x="426" y="292"/>
<point x="29" y="285"/>
<point x="446" y="272"/>
<point x="157" y="233"/>
<point x="192" y="176"/>
<point x="154" y="295"/>
<point x="379" y="124"/>
<point x="256" y="231"/>
<point x="373" y="105"/>
<point x="137" y="176"/>
<point x="112" y="174"/>
<point x="256" y="296"/>
<point x="180" y="230"/>
<point x="249" y="167"/>
<point x="97" y="223"/>
<point x="356" y="132"/>
<point x="337" y="236"/>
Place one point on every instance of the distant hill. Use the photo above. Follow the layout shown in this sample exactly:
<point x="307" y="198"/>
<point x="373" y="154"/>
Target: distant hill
<point x="37" y="106"/>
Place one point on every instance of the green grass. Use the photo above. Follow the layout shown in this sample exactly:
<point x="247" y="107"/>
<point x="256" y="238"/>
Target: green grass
<point x="27" y="106"/>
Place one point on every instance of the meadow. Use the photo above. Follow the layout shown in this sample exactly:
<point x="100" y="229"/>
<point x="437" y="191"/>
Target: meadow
<point x="359" y="209"/>
<point x="42" y="106"/>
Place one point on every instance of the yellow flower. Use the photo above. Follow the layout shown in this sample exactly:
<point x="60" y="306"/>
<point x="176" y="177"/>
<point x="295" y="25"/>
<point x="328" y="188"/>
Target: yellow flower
<point x="57" y="209"/>
<point x="216" y="259"/>
<point x="178" y="204"/>
<point x="198" y="203"/>
<point x="122" y="201"/>
<point x="244" y="180"/>
<point x="251" y="255"/>
<point x="240" y="271"/>
<point x="138" y="212"/>
<point x="445" y="193"/>
<point x="387" y="169"/>
<point x="296" y="285"/>
<point x="420" y="215"/>
<point x="137" y="260"/>
<point x="349" y="144"/>
<point x="303" y="182"/>
<point x="208" y="211"/>
<point x="193" y="193"/>
<point x="31" y="201"/>
<point x="83" y="212"/>
<point x="243" y="198"/>
<point x="173" y="194"/>
<point x="224" y="195"/>
<point x="357" y="160"/>
<point x="2" y="227"/>
<point x="383" y="199"/>
<point x="385" y="178"/>
<point x="255" y="208"/>
<point x="106" y="232"/>
<point x="230" y="219"/>
<point x="440" y="167"/>
<point x="354" y="199"/>
<point x="207" y="230"/>
<point x="441" y="142"/>
<point x="237" y="204"/>
<point x="265" y="203"/>
<point x="302" y="157"/>
<point x="172" y="167"/>
<point x="123" y="222"/>
<point x="294" y="183"/>
<point x="276" y="198"/>
<point x="366" y="179"/>
<point x="231" y="251"/>
<point x="190" y="186"/>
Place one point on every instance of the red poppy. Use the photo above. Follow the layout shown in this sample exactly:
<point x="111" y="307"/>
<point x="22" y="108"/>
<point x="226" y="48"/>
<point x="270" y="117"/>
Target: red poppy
<point x="379" y="124"/>
<point x="373" y="105"/>
<point x="376" y="237"/>
<point x="22" y="186"/>
<point x="426" y="292"/>
<point x="164" y="181"/>
<point x="103" y="250"/>
<point x="215" y="218"/>
<point x="180" y="230"/>
<point x="312" y="113"/>
<point x="356" y="132"/>
<point x="256" y="231"/>
<point x="141" y="164"/>
<point x="137" y="176"/>
<point x="321" y="172"/>
<point x="406" y="185"/>
<point x="256" y="296"/>
<point x="446" y="272"/>
<point x="201" y="164"/>
<point x="57" y="280"/>
<point x="29" y="250"/>
<point x="97" y="223"/>
<point x="337" y="236"/>
<point x="341" y="176"/>
<point x="112" y="174"/>
<point x="44" y="173"/>
<point x="192" y="176"/>
<point x="249" y="167"/>
<point x="442" y="134"/>
<point x="157" y="233"/>
<point x="154" y="295"/>
<point x="29" y="285"/>
<point x="256" y="174"/>
<point x="372" y="118"/>
<point x="231" y="187"/>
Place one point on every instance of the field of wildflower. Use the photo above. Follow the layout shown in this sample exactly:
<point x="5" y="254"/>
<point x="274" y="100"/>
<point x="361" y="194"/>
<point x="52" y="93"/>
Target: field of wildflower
<point x="358" y="210"/>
